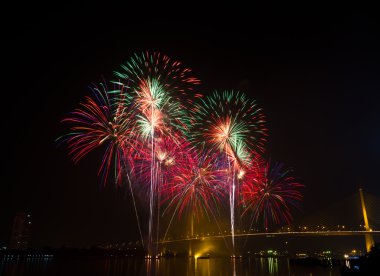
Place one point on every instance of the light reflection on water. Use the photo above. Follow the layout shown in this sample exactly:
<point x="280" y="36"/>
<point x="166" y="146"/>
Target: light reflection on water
<point x="117" y="266"/>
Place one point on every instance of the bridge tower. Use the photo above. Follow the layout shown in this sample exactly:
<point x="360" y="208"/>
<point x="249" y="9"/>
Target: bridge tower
<point x="368" y="237"/>
<point x="191" y="233"/>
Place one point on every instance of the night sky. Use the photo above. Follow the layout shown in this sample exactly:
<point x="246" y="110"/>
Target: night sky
<point x="315" y="70"/>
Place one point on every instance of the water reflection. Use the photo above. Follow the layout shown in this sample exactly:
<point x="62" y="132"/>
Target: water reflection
<point x="117" y="266"/>
<point x="24" y="265"/>
<point x="273" y="266"/>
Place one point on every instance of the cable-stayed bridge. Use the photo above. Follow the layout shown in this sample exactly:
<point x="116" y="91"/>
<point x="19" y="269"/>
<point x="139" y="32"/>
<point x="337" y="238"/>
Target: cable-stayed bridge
<point x="357" y="214"/>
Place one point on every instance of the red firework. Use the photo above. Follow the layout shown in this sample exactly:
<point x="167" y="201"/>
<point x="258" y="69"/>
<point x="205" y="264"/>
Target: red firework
<point x="170" y="153"/>
<point x="103" y="120"/>
<point x="197" y="186"/>
<point x="270" y="192"/>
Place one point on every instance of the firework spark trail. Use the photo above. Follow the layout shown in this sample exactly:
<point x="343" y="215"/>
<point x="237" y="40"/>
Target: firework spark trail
<point x="158" y="206"/>
<point x="152" y="189"/>
<point x="251" y="174"/>
<point x="233" y="125"/>
<point x="144" y="135"/>
<point x="232" y="209"/>
<point x="159" y="84"/>
<point x="196" y="187"/>
<point x="136" y="213"/>
<point x="105" y="119"/>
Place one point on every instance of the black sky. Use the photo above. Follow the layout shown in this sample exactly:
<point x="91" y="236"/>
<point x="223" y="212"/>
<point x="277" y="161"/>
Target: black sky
<point x="314" y="70"/>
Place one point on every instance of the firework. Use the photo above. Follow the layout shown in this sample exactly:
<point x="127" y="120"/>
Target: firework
<point x="270" y="194"/>
<point x="185" y="153"/>
<point x="233" y="125"/>
<point x="162" y="91"/>
<point x="171" y="153"/>
<point x="230" y="123"/>
<point x="160" y="87"/>
<point x="197" y="186"/>
<point x="103" y="120"/>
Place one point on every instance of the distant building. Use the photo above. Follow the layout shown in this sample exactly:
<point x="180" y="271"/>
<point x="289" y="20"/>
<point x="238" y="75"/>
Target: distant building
<point x="21" y="230"/>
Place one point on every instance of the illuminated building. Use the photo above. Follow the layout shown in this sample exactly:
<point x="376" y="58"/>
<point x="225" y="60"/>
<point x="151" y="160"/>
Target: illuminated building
<point x="21" y="230"/>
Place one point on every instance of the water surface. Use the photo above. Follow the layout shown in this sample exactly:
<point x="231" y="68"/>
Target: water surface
<point x="117" y="266"/>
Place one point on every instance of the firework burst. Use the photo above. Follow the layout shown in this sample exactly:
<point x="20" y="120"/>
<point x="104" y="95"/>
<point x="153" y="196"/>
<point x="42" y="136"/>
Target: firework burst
<point x="230" y="123"/>
<point x="270" y="194"/>
<point x="197" y="186"/>
<point x="103" y="120"/>
<point x="160" y="88"/>
<point x="171" y="153"/>
<point x="162" y="91"/>
<point x="185" y="153"/>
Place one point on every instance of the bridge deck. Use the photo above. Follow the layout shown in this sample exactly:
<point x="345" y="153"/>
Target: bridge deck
<point x="294" y="233"/>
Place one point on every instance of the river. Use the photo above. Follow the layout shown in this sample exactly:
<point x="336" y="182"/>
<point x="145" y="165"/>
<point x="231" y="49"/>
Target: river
<point x="117" y="266"/>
